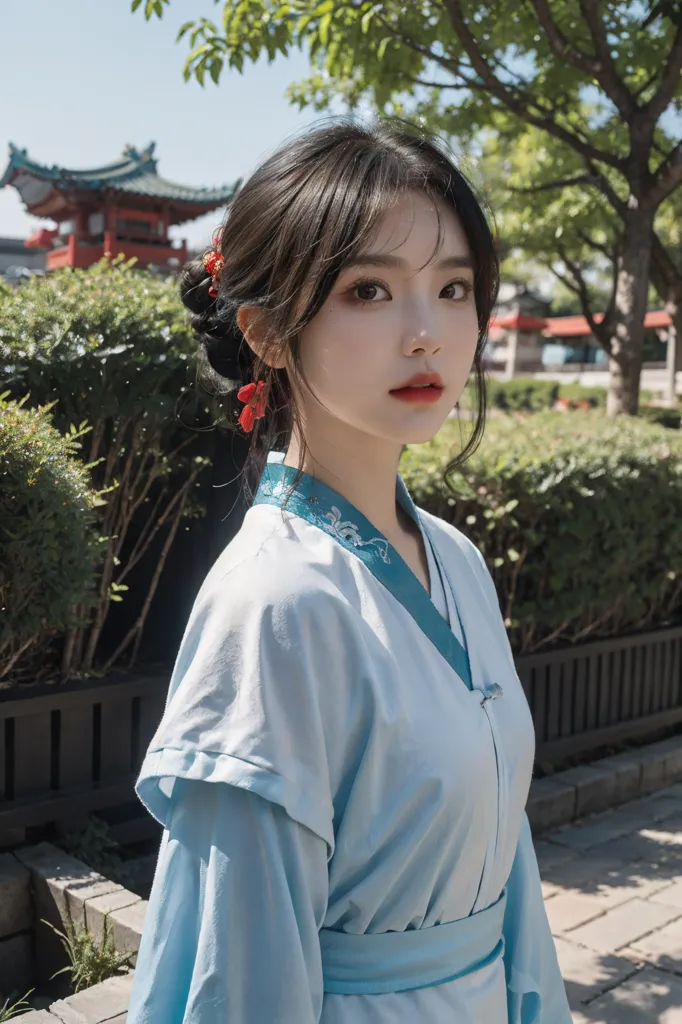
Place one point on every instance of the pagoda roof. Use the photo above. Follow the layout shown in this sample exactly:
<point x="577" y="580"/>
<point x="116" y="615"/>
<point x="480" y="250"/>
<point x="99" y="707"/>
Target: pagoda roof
<point x="134" y="173"/>
<point x="521" y="321"/>
<point x="578" y="327"/>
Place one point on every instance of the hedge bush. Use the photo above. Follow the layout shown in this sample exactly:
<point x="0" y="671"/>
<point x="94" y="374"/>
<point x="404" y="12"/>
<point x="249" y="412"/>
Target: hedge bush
<point x="112" y="346"/>
<point x="670" y="418"/>
<point x="577" y="516"/>
<point x="522" y="394"/>
<point x="49" y="546"/>
<point x="580" y="393"/>
<point x="533" y="394"/>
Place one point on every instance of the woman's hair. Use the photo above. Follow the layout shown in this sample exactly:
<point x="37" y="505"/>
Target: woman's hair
<point x="303" y="215"/>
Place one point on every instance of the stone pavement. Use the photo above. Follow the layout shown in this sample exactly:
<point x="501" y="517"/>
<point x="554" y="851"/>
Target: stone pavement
<point x="613" y="891"/>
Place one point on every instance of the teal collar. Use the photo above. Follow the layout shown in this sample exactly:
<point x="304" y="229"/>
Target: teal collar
<point x="329" y="511"/>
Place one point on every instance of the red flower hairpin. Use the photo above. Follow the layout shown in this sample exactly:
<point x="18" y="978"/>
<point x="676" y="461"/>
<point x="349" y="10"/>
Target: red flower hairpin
<point x="256" y="398"/>
<point x="214" y="261"/>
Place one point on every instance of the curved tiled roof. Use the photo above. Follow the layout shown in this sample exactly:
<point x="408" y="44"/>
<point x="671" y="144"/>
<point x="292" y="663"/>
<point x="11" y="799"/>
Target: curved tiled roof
<point x="577" y="326"/>
<point x="134" y="172"/>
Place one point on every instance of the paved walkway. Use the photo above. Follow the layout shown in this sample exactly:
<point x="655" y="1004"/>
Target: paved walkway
<point x="613" y="891"/>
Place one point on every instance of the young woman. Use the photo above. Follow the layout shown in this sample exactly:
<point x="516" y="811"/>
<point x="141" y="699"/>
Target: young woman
<point x="345" y="755"/>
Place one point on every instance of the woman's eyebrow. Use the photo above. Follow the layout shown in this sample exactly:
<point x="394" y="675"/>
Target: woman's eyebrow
<point x="380" y="259"/>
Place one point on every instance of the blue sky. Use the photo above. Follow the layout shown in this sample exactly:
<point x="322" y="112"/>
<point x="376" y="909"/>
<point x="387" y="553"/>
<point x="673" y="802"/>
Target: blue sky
<point x="81" y="78"/>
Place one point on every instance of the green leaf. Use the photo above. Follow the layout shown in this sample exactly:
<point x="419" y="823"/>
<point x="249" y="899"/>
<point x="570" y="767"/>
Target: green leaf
<point x="366" y="20"/>
<point x="183" y="30"/>
<point x="383" y="46"/>
<point x="199" y="51"/>
<point x="323" y="29"/>
<point x="135" y="4"/>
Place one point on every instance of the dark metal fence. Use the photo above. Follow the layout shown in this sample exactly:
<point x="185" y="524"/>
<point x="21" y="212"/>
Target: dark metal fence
<point x="600" y="693"/>
<point x="66" y="751"/>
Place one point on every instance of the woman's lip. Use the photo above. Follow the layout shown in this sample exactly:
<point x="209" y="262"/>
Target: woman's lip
<point x="422" y="379"/>
<point x="416" y="394"/>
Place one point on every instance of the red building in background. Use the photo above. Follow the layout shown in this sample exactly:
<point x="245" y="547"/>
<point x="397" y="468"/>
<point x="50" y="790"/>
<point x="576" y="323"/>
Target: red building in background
<point x="123" y="207"/>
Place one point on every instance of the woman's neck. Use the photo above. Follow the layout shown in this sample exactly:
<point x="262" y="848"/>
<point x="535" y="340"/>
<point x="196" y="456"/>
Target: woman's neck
<point x="364" y="474"/>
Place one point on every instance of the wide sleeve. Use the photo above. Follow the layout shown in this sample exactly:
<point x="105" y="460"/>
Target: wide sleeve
<point x="535" y="989"/>
<point x="261" y="695"/>
<point x="231" y="932"/>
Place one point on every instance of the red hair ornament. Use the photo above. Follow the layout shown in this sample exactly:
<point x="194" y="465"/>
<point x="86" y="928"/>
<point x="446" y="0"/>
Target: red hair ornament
<point x="256" y="398"/>
<point x="213" y="263"/>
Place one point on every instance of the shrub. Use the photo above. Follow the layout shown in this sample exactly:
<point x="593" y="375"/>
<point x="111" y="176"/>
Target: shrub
<point x="112" y="346"/>
<point x="49" y="548"/>
<point x="95" y="846"/>
<point x="579" y="393"/>
<point x="530" y="394"/>
<point x="577" y="517"/>
<point x="522" y="394"/>
<point x="669" y="418"/>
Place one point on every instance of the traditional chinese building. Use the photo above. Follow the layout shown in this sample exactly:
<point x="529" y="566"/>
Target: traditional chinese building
<point x="525" y="338"/>
<point x="123" y="207"/>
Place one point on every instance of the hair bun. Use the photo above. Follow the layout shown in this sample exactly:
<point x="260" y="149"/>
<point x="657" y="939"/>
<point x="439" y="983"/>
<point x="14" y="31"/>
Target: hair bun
<point x="215" y="323"/>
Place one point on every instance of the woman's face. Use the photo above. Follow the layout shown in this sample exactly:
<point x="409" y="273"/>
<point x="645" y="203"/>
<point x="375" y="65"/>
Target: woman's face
<point x="398" y="311"/>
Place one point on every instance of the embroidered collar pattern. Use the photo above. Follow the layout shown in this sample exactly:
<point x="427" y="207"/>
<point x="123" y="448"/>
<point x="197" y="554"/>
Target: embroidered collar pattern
<point x="331" y="521"/>
<point x="328" y="510"/>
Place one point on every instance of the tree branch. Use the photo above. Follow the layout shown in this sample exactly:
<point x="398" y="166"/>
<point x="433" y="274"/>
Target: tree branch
<point x="593" y="177"/>
<point x="603" y="69"/>
<point x="516" y="100"/>
<point x="662" y="264"/>
<point x="646" y="85"/>
<point x="607" y="189"/>
<point x="571" y="285"/>
<point x="580" y="179"/>
<point x="597" y="246"/>
<point x="600" y="330"/>
<point x="668" y="176"/>
<point x="415" y="80"/>
<point x="669" y="81"/>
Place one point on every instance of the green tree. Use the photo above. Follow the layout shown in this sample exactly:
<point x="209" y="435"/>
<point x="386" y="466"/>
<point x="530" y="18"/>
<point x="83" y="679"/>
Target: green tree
<point x="569" y="231"/>
<point x="573" y="231"/>
<point x="598" y="78"/>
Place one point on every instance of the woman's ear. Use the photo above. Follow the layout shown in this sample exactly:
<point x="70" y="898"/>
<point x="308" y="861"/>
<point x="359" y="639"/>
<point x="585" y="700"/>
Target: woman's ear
<point x="251" y="321"/>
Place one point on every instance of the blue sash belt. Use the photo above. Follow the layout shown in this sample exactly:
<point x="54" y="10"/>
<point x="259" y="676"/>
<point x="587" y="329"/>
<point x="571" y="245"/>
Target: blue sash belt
<point x="374" y="963"/>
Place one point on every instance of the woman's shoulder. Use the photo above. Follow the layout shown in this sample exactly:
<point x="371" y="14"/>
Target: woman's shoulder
<point x="277" y="563"/>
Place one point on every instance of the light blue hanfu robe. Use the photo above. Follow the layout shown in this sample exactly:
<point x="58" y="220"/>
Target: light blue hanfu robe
<point x="343" y="758"/>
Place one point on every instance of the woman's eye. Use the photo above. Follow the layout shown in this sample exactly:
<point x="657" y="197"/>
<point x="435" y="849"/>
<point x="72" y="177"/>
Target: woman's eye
<point x="368" y="291"/>
<point x="457" y="290"/>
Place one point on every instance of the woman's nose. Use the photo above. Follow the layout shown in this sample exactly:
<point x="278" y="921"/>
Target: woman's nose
<point x="421" y="337"/>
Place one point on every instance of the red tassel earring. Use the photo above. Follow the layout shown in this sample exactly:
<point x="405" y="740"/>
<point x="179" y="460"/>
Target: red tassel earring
<point x="256" y="398"/>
